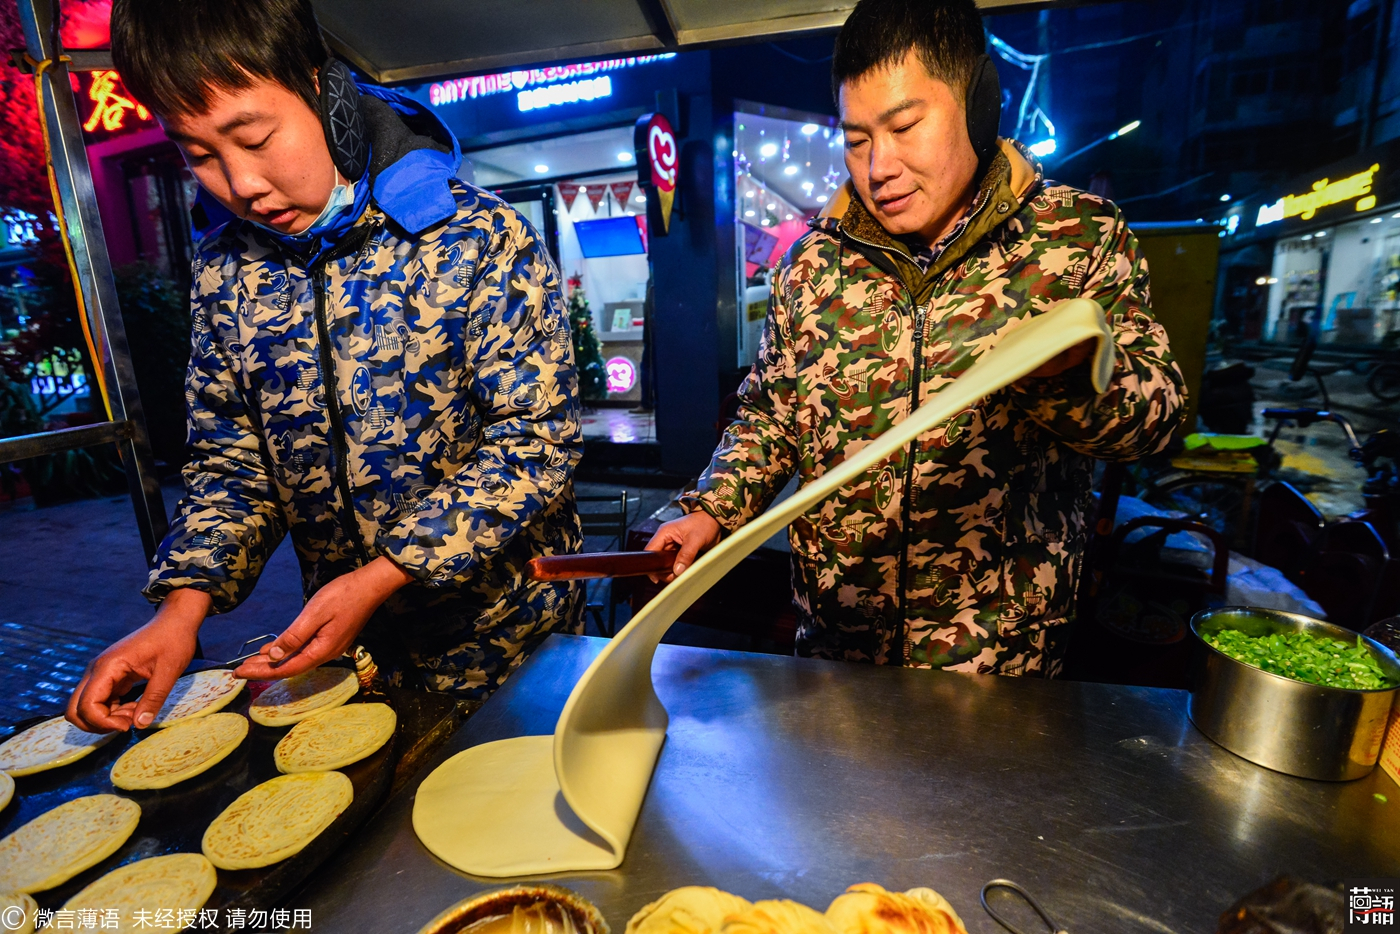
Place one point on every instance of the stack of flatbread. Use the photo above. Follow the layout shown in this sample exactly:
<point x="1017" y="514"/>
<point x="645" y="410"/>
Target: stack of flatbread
<point x="47" y="745"/>
<point x="296" y="698"/>
<point x="863" y="909"/>
<point x="178" y="882"/>
<point x="198" y="695"/>
<point x="58" y="844"/>
<point x="180" y="752"/>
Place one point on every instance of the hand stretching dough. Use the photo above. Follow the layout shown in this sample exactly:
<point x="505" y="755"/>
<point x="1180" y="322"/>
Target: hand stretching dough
<point x="493" y="810"/>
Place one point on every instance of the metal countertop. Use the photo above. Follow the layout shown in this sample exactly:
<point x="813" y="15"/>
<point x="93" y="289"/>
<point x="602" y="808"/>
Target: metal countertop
<point x="793" y="778"/>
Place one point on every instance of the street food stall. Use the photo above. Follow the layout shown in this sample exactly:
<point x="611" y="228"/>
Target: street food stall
<point x="768" y="777"/>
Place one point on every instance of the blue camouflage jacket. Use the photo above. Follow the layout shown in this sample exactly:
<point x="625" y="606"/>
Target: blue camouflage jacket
<point x="402" y="384"/>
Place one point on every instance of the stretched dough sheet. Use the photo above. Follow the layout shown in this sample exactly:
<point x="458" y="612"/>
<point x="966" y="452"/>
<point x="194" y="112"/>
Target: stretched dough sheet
<point x="508" y="808"/>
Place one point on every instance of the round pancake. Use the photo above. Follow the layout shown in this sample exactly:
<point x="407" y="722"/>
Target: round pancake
<point x="198" y="695"/>
<point x="47" y="745"/>
<point x="332" y="739"/>
<point x="183" y="751"/>
<point x="179" y="882"/>
<point x="276" y="819"/>
<point x="7" y="789"/>
<point x="58" y="844"/>
<point x="296" y="698"/>
<point x="17" y="913"/>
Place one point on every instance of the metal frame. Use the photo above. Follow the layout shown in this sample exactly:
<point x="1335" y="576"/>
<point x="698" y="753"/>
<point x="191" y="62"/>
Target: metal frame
<point x="73" y="174"/>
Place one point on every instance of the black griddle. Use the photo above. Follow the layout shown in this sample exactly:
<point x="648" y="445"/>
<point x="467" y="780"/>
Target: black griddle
<point x="173" y="819"/>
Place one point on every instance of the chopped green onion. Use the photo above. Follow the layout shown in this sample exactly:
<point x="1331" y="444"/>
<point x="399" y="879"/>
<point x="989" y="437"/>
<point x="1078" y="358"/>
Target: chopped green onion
<point x="1380" y="797"/>
<point x="1303" y="656"/>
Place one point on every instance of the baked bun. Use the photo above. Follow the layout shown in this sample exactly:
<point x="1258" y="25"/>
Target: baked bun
<point x="778" y="917"/>
<point x="694" y="909"/>
<point x="869" y="909"/>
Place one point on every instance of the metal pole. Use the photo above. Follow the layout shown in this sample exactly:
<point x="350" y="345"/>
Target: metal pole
<point x="79" y="200"/>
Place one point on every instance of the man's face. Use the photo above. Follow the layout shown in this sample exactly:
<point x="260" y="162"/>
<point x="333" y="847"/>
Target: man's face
<point x="907" y="148"/>
<point x="262" y="153"/>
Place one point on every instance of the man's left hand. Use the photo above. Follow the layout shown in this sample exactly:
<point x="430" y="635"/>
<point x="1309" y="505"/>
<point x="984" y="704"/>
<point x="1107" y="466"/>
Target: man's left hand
<point x="328" y="624"/>
<point x="1066" y="360"/>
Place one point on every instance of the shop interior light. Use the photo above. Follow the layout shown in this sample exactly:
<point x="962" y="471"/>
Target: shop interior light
<point x="1043" y="148"/>
<point x="1395" y="216"/>
<point x="640" y="199"/>
<point x="541" y="168"/>
<point x="1225" y="197"/>
<point x="749" y="193"/>
<point x="768" y="150"/>
<point x="1377" y="220"/>
<point x="1125" y="130"/>
<point x="749" y="213"/>
<point x="789" y="217"/>
<point x="809" y="128"/>
<point x="1273" y="280"/>
<point x="821" y="199"/>
<point x="772" y="206"/>
<point x="1262" y="280"/>
<point x="1305" y="237"/>
<point x="790" y="170"/>
<point x="625" y="157"/>
<point x="1320" y="234"/>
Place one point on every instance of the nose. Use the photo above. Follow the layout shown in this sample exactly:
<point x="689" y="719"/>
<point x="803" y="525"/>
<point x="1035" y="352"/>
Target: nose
<point x="245" y="182"/>
<point x="885" y="164"/>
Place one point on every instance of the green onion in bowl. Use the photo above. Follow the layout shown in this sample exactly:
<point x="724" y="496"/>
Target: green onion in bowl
<point x="1305" y="657"/>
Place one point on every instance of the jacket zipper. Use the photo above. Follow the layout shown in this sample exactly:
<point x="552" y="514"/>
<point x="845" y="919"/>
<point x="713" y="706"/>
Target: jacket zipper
<point x="339" y="444"/>
<point x="899" y="643"/>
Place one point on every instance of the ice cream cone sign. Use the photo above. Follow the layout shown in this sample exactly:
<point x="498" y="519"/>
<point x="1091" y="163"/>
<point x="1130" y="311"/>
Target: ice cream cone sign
<point x="658" y="159"/>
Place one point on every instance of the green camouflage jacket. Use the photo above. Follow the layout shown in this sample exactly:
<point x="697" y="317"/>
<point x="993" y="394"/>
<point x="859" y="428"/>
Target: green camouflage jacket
<point x="962" y="553"/>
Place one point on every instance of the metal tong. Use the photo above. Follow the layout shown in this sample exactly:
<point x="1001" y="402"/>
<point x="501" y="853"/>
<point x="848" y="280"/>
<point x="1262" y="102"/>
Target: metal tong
<point x="1054" y="926"/>
<point x="243" y="655"/>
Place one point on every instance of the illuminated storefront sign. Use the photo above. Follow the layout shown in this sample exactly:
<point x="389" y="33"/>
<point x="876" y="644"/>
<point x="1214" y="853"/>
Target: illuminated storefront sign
<point x="460" y="89"/>
<point x="111" y="106"/>
<point x="589" y="89"/>
<point x="1324" y="194"/>
<point x="622" y="374"/>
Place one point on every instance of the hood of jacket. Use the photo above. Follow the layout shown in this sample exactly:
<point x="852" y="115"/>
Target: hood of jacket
<point x="413" y="158"/>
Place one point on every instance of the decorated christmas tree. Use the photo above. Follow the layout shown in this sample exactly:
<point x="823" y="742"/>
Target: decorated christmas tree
<point x="588" y="352"/>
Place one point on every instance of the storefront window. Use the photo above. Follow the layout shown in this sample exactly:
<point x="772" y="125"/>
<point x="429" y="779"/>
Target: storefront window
<point x="787" y="167"/>
<point x="1341" y="282"/>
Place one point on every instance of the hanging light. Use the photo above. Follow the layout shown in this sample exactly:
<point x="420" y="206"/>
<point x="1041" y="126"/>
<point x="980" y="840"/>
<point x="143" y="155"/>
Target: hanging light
<point x="768" y="150"/>
<point x="809" y="128"/>
<point x="790" y="170"/>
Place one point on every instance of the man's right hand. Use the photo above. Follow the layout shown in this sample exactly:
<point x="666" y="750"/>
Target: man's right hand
<point x="157" y="653"/>
<point x="688" y="536"/>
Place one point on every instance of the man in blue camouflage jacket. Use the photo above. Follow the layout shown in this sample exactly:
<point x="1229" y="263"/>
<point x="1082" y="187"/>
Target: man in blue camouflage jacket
<point x="381" y="367"/>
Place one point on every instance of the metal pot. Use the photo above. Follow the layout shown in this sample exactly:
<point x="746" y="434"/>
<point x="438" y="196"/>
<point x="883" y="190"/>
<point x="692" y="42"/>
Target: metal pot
<point x="1300" y="729"/>
<point x="565" y="910"/>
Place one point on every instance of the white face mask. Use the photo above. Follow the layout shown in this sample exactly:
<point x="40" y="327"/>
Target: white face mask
<point x="342" y="196"/>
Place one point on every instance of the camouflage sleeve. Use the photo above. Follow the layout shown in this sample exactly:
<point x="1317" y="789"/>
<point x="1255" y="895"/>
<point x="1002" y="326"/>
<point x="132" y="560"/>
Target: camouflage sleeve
<point x="1144" y="401"/>
<point x="758" y="453"/>
<point x="230" y="519"/>
<point x="525" y="387"/>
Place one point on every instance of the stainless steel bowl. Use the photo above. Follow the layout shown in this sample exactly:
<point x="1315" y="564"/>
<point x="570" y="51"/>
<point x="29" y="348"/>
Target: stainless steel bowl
<point x="1301" y="729"/>
<point x="566" y="910"/>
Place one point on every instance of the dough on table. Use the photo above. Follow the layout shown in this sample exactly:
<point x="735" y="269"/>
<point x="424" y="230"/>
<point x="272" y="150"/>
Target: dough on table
<point x="17" y="913"/>
<point x="198" y="695"/>
<point x="178" y="882"/>
<point x="276" y="819"/>
<point x="332" y="739"/>
<point x="58" y="844"/>
<point x="180" y="752"/>
<point x="777" y="917"/>
<point x="48" y="745"/>
<point x="693" y="909"/>
<point x="7" y="789"/>
<point x="296" y="698"/>
<point x="869" y="909"/>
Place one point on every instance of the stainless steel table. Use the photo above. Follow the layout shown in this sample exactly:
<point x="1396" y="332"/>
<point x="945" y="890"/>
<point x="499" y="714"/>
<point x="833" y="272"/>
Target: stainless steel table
<point x="793" y="778"/>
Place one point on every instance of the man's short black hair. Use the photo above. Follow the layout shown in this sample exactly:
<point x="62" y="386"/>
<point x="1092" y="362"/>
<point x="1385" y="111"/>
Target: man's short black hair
<point x="947" y="35"/>
<point x="175" y="55"/>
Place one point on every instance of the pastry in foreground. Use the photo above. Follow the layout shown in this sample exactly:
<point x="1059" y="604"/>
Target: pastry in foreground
<point x="48" y="745"/>
<point x="18" y="910"/>
<point x="777" y="917"/>
<point x="180" y="882"/>
<point x="7" y="789"/>
<point x="693" y="909"/>
<point x="276" y="819"/>
<point x="180" y="752"/>
<point x="868" y="909"/>
<point x="332" y="739"/>
<point x="58" y="844"/>
<point x="198" y="695"/>
<point x="298" y="697"/>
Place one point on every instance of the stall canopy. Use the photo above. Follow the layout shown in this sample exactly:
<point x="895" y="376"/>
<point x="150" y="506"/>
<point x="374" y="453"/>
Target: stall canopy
<point x="432" y="38"/>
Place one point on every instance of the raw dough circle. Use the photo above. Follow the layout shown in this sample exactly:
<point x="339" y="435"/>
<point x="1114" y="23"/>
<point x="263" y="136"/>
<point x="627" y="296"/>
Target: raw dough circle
<point x="198" y="695"/>
<point x="296" y="698"/>
<point x="276" y="819"/>
<point x="58" y="844"/>
<point x="332" y="739"/>
<point x="48" y="745"/>
<point x="17" y="913"/>
<point x="183" y="751"/>
<point x="7" y="791"/>
<point x="178" y="882"/>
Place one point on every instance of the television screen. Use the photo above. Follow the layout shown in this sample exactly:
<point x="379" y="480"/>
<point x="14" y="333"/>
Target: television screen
<point x="609" y="236"/>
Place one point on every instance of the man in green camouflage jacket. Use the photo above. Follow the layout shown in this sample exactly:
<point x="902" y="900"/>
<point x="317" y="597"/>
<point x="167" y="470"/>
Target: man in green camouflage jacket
<point x="962" y="553"/>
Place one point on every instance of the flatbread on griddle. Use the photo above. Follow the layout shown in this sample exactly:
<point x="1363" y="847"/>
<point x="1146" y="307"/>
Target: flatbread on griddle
<point x="276" y="819"/>
<point x="183" y="751"/>
<point x="198" y="695"/>
<point x="177" y="882"/>
<point x="7" y="789"/>
<point x="58" y="844"/>
<point x="296" y="698"/>
<point x="17" y="913"/>
<point x="47" y="745"/>
<point x="332" y="739"/>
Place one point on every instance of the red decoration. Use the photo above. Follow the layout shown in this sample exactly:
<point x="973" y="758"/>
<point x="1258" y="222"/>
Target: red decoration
<point x="111" y="104"/>
<point x="596" y="193"/>
<point x="621" y="191"/>
<point x="569" y="192"/>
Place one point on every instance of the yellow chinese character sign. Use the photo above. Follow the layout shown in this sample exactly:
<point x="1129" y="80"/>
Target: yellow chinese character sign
<point x="111" y="105"/>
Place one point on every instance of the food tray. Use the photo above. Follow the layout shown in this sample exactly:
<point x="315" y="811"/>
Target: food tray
<point x="173" y="819"/>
